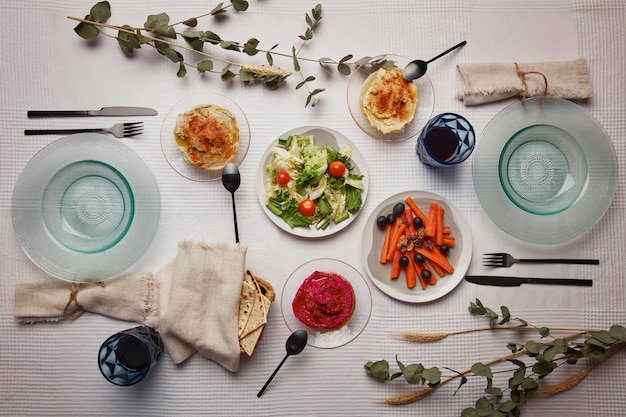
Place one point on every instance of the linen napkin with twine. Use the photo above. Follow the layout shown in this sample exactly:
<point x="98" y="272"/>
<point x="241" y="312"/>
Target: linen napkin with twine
<point x="479" y="83"/>
<point x="193" y="301"/>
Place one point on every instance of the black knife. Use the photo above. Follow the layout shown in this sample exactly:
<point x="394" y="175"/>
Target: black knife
<point x="105" y="111"/>
<point x="517" y="281"/>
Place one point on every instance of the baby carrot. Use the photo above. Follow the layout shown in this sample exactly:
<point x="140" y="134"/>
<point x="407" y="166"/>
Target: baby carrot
<point x="409" y="271"/>
<point x="431" y="219"/>
<point x="439" y="226"/>
<point x="383" y="252"/>
<point x="415" y="208"/>
<point x="395" y="236"/>
<point x="436" y="256"/>
<point x="395" y="266"/>
<point x="418" y="273"/>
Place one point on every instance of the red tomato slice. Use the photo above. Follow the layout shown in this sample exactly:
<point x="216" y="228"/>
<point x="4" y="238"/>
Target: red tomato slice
<point x="337" y="168"/>
<point x="307" y="207"/>
<point x="282" y="178"/>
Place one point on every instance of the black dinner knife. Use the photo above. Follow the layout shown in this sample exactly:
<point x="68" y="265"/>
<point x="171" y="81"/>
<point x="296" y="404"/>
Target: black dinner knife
<point x="105" y="111"/>
<point x="517" y="281"/>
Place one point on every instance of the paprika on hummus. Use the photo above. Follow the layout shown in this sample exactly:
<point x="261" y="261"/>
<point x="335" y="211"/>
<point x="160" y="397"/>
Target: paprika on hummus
<point x="324" y="301"/>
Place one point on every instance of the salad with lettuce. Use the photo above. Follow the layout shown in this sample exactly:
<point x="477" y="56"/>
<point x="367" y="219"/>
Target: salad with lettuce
<point x="310" y="185"/>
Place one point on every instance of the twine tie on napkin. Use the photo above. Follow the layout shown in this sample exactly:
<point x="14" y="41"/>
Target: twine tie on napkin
<point x="193" y="301"/>
<point x="479" y="83"/>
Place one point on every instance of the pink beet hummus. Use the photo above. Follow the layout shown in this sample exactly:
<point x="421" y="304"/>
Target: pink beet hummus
<point x="324" y="301"/>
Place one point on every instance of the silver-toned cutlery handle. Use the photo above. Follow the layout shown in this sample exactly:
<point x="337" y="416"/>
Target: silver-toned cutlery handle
<point x="563" y="261"/>
<point x="57" y="113"/>
<point x="31" y="132"/>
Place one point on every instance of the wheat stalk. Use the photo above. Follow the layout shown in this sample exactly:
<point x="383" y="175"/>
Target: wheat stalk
<point x="567" y="383"/>
<point x="437" y="336"/>
<point x="264" y="70"/>
<point x="408" y="398"/>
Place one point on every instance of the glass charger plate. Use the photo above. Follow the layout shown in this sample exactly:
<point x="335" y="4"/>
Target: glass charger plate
<point x="362" y="309"/>
<point x="544" y="170"/>
<point x="460" y="256"/>
<point x="174" y="156"/>
<point x="323" y="136"/>
<point x="425" y="104"/>
<point x="85" y="208"/>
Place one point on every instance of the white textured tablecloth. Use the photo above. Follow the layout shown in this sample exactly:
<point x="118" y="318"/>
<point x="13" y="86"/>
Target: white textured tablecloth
<point x="51" y="369"/>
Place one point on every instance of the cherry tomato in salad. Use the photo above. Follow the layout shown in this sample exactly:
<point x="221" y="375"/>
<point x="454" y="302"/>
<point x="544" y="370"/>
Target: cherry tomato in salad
<point x="307" y="207"/>
<point x="282" y="178"/>
<point x="337" y="169"/>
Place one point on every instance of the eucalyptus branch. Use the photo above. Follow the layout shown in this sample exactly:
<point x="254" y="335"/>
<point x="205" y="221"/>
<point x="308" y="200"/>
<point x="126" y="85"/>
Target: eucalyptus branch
<point x="160" y="34"/>
<point x="544" y="357"/>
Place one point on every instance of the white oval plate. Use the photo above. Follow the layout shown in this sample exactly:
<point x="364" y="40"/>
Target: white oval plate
<point x="460" y="256"/>
<point x="324" y="136"/>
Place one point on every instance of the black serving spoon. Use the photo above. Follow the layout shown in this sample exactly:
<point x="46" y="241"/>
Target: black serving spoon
<point x="295" y="344"/>
<point x="231" y="180"/>
<point x="416" y="69"/>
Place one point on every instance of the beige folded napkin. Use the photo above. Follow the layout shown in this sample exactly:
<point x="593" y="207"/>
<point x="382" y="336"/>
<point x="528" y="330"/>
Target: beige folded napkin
<point x="483" y="83"/>
<point x="193" y="301"/>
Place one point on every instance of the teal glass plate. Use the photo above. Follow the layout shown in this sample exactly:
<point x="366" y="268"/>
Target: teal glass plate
<point x="544" y="170"/>
<point x="85" y="208"/>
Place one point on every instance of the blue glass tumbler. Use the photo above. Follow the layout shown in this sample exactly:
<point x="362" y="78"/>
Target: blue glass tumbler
<point x="447" y="139"/>
<point x="128" y="356"/>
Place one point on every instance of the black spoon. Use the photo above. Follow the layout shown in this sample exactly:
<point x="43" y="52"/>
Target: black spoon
<point x="416" y="69"/>
<point x="295" y="344"/>
<point x="231" y="180"/>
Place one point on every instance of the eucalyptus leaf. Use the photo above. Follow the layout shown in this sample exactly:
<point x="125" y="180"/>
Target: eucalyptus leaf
<point x="484" y="408"/>
<point x="100" y="12"/>
<point x="193" y="22"/>
<point x="159" y="25"/>
<point x="544" y="331"/>
<point x="363" y="60"/>
<point x="205" y="65"/>
<point x="618" y="332"/>
<point x="229" y="45"/>
<point x="469" y="412"/>
<point x="482" y="370"/>
<point x="529" y="385"/>
<point x="245" y="76"/>
<point x="532" y="348"/>
<point x="87" y="31"/>
<point x="182" y="70"/>
<point x="239" y="5"/>
<point x="506" y="315"/>
<point x="378" y="369"/>
<point x="413" y="373"/>
<point x="344" y="69"/>
<point x="432" y="375"/>
<point x="219" y="9"/>
<point x="227" y="75"/>
<point x="250" y="47"/>
<point x="507" y="406"/>
<point x="603" y="337"/>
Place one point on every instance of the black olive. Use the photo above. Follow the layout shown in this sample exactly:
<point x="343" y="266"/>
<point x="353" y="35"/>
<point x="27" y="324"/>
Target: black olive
<point x="445" y="249"/>
<point x="391" y="218"/>
<point x="404" y="261"/>
<point x="419" y="258"/>
<point x="381" y="221"/>
<point x="398" y="209"/>
<point x="417" y="222"/>
<point x="426" y="274"/>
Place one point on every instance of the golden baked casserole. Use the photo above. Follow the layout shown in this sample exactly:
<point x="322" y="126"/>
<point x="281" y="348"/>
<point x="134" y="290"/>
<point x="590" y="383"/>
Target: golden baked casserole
<point x="208" y="136"/>
<point x="388" y="101"/>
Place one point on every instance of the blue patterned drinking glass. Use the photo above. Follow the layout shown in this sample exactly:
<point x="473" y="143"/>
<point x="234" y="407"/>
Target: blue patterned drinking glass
<point x="447" y="139"/>
<point x="127" y="357"/>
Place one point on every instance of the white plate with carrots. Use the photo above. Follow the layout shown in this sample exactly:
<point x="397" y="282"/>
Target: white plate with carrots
<point x="440" y="242"/>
